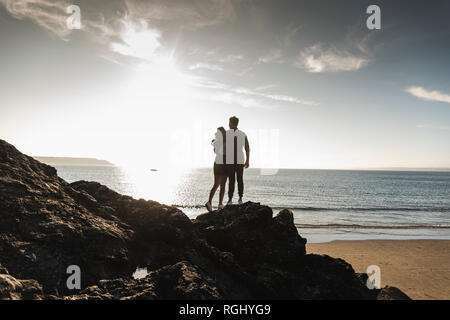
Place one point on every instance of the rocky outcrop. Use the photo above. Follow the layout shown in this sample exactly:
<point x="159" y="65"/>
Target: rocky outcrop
<point x="14" y="289"/>
<point x="44" y="227"/>
<point x="178" y="281"/>
<point x="391" y="293"/>
<point x="252" y="234"/>
<point x="240" y="252"/>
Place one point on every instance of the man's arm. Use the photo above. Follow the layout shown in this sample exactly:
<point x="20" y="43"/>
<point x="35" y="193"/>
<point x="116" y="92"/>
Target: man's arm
<point x="247" y="153"/>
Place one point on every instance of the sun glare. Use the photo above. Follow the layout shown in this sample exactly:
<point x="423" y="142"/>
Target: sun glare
<point x="138" y="40"/>
<point x="155" y="94"/>
<point x="159" y="185"/>
<point x="156" y="79"/>
<point x="153" y="101"/>
<point x="158" y="83"/>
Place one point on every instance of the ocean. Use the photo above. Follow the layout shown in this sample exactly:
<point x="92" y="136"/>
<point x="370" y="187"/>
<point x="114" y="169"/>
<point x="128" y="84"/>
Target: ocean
<point x="327" y="204"/>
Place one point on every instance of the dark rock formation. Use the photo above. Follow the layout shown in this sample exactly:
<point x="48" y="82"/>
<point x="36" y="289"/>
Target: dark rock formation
<point x="241" y="252"/>
<point x="392" y="293"/>
<point x="178" y="281"/>
<point x="46" y="225"/>
<point x="252" y="234"/>
<point x="14" y="289"/>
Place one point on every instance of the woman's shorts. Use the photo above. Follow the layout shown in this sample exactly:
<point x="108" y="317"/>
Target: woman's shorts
<point x="220" y="169"/>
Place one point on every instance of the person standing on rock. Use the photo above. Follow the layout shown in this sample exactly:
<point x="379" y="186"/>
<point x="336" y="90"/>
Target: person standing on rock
<point x="220" y="171"/>
<point x="237" y="142"/>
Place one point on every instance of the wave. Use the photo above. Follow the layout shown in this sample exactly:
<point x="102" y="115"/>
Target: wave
<point x="381" y="226"/>
<point x="366" y="209"/>
<point x="344" y="209"/>
<point x="186" y="206"/>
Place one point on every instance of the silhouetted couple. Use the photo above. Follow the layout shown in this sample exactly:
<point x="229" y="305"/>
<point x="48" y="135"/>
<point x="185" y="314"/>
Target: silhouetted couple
<point x="229" y="146"/>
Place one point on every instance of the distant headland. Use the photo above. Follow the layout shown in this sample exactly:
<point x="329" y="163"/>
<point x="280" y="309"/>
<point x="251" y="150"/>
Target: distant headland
<point x="68" y="161"/>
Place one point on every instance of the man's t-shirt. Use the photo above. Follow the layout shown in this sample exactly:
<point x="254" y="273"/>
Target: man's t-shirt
<point x="237" y="142"/>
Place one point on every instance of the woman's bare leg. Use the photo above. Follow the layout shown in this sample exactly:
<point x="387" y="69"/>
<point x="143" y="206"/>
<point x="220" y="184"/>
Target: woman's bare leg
<point x="217" y="181"/>
<point x="222" y="189"/>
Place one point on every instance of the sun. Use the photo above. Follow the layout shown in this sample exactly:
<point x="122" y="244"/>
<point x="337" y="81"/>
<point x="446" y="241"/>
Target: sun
<point x="154" y="95"/>
<point x="156" y="77"/>
<point x="154" y="100"/>
<point x="159" y="83"/>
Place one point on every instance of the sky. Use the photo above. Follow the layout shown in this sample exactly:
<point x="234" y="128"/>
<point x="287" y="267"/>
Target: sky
<point x="146" y="83"/>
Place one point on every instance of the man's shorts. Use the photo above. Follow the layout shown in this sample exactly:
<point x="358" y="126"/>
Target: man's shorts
<point x="220" y="169"/>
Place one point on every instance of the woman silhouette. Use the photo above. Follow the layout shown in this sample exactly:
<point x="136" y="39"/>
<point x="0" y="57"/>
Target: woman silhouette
<point x="220" y="169"/>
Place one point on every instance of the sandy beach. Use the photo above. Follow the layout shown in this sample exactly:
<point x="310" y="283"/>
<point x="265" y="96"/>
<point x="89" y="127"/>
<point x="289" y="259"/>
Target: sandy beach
<point x="420" y="268"/>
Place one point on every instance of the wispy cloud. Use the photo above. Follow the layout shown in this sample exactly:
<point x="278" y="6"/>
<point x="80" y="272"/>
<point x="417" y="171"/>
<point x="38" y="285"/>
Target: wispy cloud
<point x="250" y="98"/>
<point x="291" y="33"/>
<point x="273" y="56"/>
<point x="355" y="51"/>
<point x="219" y="60"/>
<point x="275" y="97"/>
<point x="103" y="25"/>
<point x="231" y="58"/>
<point x="104" y="18"/>
<point x="207" y="66"/>
<point x="434" y="95"/>
<point x="266" y="87"/>
<point x="50" y="15"/>
<point x="138" y="40"/>
<point x="191" y="14"/>
<point x="317" y="59"/>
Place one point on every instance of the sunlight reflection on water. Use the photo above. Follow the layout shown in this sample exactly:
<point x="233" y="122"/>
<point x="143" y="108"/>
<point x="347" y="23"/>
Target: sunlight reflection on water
<point x="159" y="186"/>
<point x="316" y="197"/>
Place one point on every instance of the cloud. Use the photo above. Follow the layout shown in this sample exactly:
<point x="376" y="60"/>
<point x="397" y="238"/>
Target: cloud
<point x="292" y="31"/>
<point x="316" y="59"/>
<point x="356" y="50"/>
<point x="273" y="56"/>
<point x="207" y="66"/>
<point x="133" y="28"/>
<point x="218" y="66"/>
<point x="103" y="19"/>
<point x="138" y="40"/>
<point x="266" y="87"/>
<point x="231" y="58"/>
<point x="422" y="93"/>
<point x="50" y="15"/>
<point x="248" y="98"/>
<point x="192" y="14"/>
<point x="274" y="97"/>
<point x="218" y="60"/>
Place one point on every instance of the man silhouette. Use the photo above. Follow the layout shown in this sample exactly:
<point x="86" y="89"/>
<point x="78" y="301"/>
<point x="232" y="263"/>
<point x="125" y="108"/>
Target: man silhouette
<point x="237" y="142"/>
